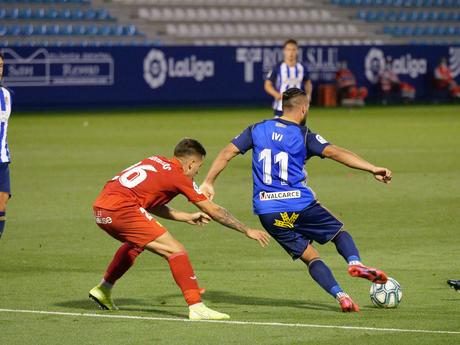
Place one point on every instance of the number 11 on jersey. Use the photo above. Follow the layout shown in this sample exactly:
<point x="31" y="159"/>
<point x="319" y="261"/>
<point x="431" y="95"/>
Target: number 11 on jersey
<point x="282" y="158"/>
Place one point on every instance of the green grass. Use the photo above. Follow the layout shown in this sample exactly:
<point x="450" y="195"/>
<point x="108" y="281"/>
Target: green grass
<point x="52" y="253"/>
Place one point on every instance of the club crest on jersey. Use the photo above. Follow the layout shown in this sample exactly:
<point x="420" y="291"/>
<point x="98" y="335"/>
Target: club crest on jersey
<point x="292" y="194"/>
<point x="286" y="221"/>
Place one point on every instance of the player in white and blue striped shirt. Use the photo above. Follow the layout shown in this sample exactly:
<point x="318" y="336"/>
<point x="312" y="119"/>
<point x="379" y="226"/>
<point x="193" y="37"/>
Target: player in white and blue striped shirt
<point x="5" y="112"/>
<point x="287" y="74"/>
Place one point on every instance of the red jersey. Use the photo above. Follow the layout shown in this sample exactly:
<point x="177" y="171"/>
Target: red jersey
<point x="152" y="182"/>
<point x="443" y="76"/>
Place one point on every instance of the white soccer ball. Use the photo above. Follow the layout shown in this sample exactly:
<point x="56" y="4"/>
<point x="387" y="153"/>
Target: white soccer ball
<point x="386" y="295"/>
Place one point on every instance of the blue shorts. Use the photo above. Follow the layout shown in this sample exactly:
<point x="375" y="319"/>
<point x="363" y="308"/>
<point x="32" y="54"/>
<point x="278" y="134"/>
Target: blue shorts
<point x="295" y="230"/>
<point x="277" y="113"/>
<point x="5" y="178"/>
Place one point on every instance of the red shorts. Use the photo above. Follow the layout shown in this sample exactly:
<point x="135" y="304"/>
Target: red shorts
<point x="129" y="224"/>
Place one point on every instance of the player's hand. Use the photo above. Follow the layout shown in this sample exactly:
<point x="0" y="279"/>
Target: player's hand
<point x="382" y="174"/>
<point x="208" y="190"/>
<point x="198" y="218"/>
<point x="260" y="236"/>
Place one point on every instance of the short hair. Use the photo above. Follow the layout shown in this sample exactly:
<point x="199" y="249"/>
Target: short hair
<point x="1" y="56"/>
<point x="189" y="147"/>
<point x="291" y="98"/>
<point x="290" y="41"/>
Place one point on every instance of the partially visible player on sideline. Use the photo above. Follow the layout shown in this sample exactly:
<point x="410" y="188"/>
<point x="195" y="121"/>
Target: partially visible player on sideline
<point x="5" y="112"/>
<point x="123" y="210"/>
<point x="443" y="79"/>
<point x="347" y="88"/>
<point x="286" y="206"/>
<point x="287" y="74"/>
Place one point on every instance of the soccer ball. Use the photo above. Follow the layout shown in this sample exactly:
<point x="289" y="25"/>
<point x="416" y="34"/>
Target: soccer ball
<point x="386" y="295"/>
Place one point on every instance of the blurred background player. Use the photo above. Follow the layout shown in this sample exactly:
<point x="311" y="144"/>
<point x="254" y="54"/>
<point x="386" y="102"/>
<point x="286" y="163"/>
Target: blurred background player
<point x="348" y="92"/>
<point x="287" y="74"/>
<point x="443" y="80"/>
<point x="5" y="112"/>
<point x="286" y="206"/>
<point x="391" y="87"/>
<point x="123" y="210"/>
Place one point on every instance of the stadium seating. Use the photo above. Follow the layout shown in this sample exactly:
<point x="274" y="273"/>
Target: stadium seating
<point x="229" y="22"/>
<point x="45" y="22"/>
<point x="420" y="21"/>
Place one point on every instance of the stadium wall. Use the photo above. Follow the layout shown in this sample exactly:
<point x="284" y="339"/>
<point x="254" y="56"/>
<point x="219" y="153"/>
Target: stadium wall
<point x="111" y="76"/>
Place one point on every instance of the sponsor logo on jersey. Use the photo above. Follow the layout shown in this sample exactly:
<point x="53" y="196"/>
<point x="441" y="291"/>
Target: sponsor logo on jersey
<point x="321" y="139"/>
<point x="103" y="220"/>
<point x="286" y="221"/>
<point x="157" y="68"/>
<point x="375" y="62"/>
<point x="292" y="194"/>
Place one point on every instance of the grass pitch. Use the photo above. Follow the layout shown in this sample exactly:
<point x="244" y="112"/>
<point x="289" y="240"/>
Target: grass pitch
<point x="52" y="253"/>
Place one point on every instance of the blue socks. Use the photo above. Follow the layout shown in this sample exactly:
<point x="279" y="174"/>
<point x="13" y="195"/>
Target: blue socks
<point x="346" y="247"/>
<point x="323" y="276"/>
<point x="2" y="222"/>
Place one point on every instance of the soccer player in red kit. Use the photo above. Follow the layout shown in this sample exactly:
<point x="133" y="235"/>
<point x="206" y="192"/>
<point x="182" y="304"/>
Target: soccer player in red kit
<point x="124" y="207"/>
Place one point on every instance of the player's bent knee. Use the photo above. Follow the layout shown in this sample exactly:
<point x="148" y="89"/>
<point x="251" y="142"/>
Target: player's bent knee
<point x="165" y="245"/>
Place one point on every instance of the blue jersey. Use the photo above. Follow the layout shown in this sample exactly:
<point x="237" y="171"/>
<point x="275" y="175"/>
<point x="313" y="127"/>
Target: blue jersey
<point x="5" y="112"/>
<point x="280" y="151"/>
<point x="284" y="77"/>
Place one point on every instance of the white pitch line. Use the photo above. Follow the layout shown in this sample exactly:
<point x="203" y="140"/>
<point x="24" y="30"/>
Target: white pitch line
<point x="247" y="323"/>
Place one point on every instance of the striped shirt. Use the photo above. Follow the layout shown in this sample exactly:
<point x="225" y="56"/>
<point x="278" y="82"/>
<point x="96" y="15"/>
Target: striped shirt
<point x="5" y="112"/>
<point x="284" y="77"/>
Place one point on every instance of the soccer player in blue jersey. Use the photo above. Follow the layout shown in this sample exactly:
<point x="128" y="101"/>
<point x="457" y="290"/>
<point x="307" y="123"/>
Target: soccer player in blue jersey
<point x="287" y="74"/>
<point x="286" y="206"/>
<point x="5" y="112"/>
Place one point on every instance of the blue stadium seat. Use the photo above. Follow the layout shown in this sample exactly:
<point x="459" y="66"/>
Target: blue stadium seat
<point x="105" y="30"/>
<point x="14" y="30"/>
<point x="78" y="14"/>
<point x="52" y="13"/>
<point x="130" y="30"/>
<point x="79" y="30"/>
<point x="90" y="14"/>
<point x="91" y="30"/>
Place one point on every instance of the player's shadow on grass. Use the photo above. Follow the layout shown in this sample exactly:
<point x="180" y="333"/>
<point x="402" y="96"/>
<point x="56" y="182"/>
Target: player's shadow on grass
<point x="125" y="304"/>
<point x="230" y="298"/>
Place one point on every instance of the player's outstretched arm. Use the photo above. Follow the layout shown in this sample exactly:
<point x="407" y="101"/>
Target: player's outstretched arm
<point x="196" y="218"/>
<point x="354" y="161"/>
<point x="222" y="216"/>
<point x="220" y="163"/>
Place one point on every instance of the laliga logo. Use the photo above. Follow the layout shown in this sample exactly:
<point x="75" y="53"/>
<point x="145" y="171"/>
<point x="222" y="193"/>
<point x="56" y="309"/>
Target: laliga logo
<point x="157" y="68"/>
<point x="375" y="62"/>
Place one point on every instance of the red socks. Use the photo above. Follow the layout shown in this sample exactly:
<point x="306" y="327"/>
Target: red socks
<point x="184" y="276"/>
<point x="123" y="259"/>
<point x="179" y="263"/>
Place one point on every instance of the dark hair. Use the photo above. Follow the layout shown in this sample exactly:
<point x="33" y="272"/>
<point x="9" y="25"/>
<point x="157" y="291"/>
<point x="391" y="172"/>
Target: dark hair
<point x="1" y="55"/>
<point x="290" y="41"/>
<point x="189" y="147"/>
<point x="290" y="96"/>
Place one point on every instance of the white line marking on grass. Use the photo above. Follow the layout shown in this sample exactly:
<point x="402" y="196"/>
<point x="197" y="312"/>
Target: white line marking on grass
<point x="227" y="322"/>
